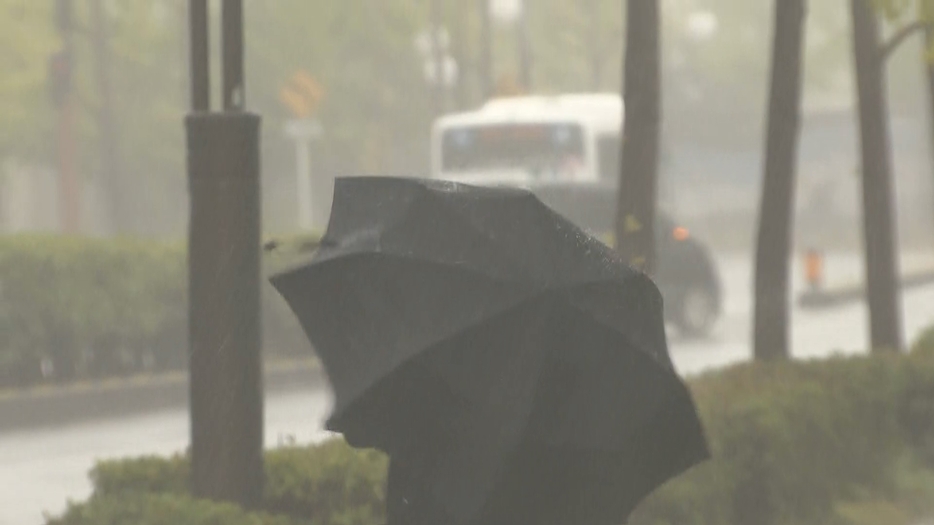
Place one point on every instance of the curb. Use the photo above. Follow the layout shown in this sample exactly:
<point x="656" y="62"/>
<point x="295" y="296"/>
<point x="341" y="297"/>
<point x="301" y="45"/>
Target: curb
<point x="854" y="293"/>
<point x="48" y="407"/>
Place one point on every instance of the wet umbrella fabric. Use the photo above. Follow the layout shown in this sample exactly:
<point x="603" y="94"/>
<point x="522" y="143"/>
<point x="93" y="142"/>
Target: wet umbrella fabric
<point x="448" y="316"/>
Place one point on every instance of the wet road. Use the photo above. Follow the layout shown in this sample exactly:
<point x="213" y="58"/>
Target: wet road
<point x="40" y="470"/>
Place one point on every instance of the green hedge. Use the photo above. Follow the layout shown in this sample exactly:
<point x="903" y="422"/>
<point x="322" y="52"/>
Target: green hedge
<point x="329" y="483"/>
<point x="807" y="443"/>
<point x="165" y="509"/>
<point x="846" y="441"/>
<point x="100" y="308"/>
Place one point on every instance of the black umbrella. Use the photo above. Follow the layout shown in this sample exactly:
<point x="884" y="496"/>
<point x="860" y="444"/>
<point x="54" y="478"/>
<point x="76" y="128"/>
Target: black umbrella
<point x="511" y="365"/>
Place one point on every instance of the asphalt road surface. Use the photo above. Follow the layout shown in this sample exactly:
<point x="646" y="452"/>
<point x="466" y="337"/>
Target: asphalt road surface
<point x="43" y="469"/>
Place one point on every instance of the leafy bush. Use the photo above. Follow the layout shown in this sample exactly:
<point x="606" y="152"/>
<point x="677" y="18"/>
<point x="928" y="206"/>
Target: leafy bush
<point x="329" y="483"/>
<point x="924" y="347"/>
<point x="102" y="308"/>
<point x="844" y="441"/>
<point x="162" y="509"/>
<point x="332" y="483"/>
<point x="801" y="443"/>
<point x="149" y="474"/>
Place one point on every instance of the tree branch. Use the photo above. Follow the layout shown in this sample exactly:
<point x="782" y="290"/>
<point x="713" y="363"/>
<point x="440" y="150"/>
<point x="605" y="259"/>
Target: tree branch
<point x="900" y="36"/>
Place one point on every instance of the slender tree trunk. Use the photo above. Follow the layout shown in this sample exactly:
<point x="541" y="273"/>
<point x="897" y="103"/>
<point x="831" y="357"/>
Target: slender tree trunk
<point x="525" y="49"/>
<point x="439" y="90"/>
<point x="929" y="74"/>
<point x="596" y="50"/>
<point x="776" y="211"/>
<point x="879" y="229"/>
<point x="458" y="53"/>
<point x="486" y="50"/>
<point x="110" y="166"/>
<point x="639" y="167"/>
<point x="70" y="194"/>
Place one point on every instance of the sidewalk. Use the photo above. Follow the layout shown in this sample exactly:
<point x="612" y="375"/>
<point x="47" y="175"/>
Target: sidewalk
<point x="840" y="295"/>
<point x="847" y="281"/>
<point x="51" y="406"/>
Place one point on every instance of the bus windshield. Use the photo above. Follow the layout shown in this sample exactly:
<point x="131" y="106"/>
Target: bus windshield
<point x="543" y="150"/>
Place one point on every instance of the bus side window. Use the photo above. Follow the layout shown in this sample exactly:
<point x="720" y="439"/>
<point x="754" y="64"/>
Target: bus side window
<point x="608" y="157"/>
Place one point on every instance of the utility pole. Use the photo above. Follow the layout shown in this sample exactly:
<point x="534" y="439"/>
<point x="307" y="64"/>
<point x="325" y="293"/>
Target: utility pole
<point x="107" y="126"/>
<point x="62" y="77"/>
<point x="225" y="369"/>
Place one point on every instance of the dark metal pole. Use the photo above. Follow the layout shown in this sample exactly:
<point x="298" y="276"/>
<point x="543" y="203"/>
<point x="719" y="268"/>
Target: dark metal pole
<point x="232" y="58"/>
<point x="200" y="55"/>
<point x="225" y="367"/>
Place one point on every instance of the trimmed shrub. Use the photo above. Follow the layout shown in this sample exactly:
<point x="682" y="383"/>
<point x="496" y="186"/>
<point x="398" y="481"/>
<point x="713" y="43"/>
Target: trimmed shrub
<point x="924" y="346"/>
<point x="329" y="483"/>
<point x="163" y="509"/>
<point x="150" y="474"/>
<point x="798" y="442"/>
<point x="74" y="308"/>
<point x="844" y="441"/>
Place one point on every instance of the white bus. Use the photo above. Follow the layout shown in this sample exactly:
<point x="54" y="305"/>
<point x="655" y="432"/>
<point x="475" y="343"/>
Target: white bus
<point x="531" y="141"/>
<point x="566" y="150"/>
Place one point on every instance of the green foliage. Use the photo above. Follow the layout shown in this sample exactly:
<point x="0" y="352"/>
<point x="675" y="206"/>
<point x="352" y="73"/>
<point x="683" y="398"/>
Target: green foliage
<point x="149" y="474"/>
<point x="92" y="306"/>
<point x="377" y="107"/>
<point x="802" y="443"/>
<point x="836" y="442"/>
<point x="26" y="43"/>
<point x="332" y="483"/>
<point x="100" y="308"/>
<point x="924" y="346"/>
<point x="329" y="483"/>
<point x="162" y="509"/>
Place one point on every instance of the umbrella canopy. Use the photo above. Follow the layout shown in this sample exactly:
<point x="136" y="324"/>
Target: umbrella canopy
<point x="511" y="365"/>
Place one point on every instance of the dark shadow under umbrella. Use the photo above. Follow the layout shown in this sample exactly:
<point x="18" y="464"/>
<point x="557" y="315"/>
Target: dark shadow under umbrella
<point x="511" y="366"/>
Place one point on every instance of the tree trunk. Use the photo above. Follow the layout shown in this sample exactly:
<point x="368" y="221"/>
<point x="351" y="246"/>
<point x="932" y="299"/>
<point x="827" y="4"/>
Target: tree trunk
<point x="119" y="214"/>
<point x="929" y="74"/>
<point x="438" y="89"/>
<point x="879" y="230"/>
<point x="525" y="49"/>
<point x="486" y="50"/>
<point x="458" y="53"/>
<point x="596" y="50"/>
<point x="639" y="167"/>
<point x="773" y="250"/>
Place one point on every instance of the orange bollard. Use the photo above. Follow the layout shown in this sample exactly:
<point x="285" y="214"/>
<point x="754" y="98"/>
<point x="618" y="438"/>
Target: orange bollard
<point x="814" y="268"/>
